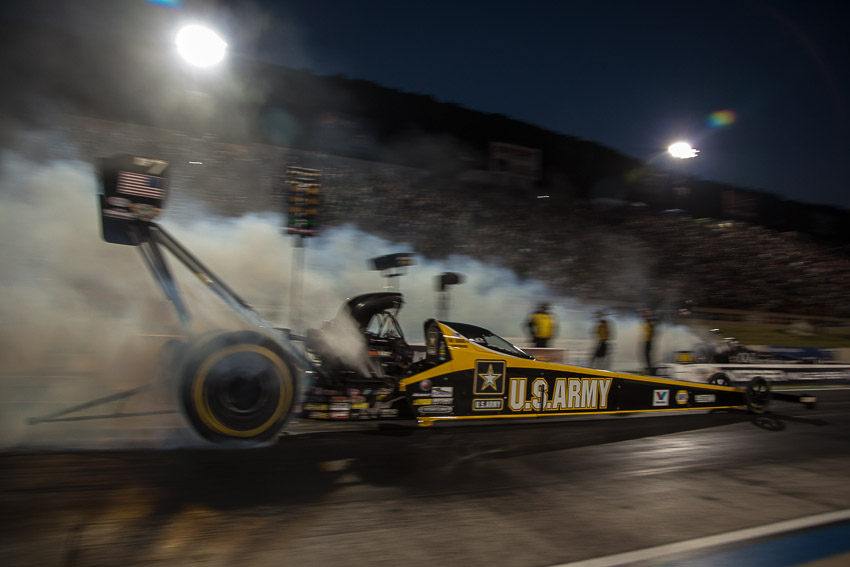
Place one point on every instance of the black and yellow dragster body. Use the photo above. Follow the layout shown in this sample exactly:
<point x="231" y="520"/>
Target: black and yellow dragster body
<point x="472" y="376"/>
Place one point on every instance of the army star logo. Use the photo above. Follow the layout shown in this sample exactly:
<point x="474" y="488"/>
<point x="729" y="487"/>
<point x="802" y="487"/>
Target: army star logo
<point x="489" y="379"/>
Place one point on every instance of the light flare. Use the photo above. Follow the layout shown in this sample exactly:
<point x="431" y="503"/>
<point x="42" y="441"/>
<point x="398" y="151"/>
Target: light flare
<point x="720" y="118"/>
<point x="200" y="46"/>
<point x="682" y="150"/>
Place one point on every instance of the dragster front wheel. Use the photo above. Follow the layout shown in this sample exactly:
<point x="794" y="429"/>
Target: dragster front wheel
<point x="236" y="387"/>
<point x="720" y="379"/>
<point x="758" y="395"/>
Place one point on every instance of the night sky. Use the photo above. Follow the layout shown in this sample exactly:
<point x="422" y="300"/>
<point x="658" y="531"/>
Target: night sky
<point x="759" y="87"/>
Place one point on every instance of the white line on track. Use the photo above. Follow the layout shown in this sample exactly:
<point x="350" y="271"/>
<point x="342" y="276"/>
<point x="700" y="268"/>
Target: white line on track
<point x="692" y="545"/>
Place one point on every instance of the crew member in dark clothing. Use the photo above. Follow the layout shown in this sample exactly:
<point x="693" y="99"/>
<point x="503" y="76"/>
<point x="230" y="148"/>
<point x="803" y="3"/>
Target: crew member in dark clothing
<point x="604" y="333"/>
<point x="648" y="333"/>
<point x="542" y="326"/>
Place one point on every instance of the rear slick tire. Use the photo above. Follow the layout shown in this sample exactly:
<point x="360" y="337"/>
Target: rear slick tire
<point x="236" y="387"/>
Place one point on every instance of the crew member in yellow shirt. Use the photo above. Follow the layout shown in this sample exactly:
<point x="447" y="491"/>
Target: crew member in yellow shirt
<point x="542" y="325"/>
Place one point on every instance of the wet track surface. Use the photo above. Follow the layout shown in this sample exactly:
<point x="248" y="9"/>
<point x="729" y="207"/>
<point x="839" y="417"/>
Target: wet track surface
<point x="541" y="494"/>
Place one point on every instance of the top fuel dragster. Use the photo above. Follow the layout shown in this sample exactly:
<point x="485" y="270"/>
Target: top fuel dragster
<point x="726" y="362"/>
<point x="242" y="386"/>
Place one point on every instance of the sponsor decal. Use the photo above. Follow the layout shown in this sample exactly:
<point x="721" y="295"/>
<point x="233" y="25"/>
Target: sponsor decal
<point x="316" y="407"/>
<point x="145" y="212"/>
<point x="567" y="394"/>
<point x="389" y="412"/>
<point x="739" y="375"/>
<point x="705" y="398"/>
<point x="421" y="395"/>
<point x="682" y="397"/>
<point x="443" y="391"/>
<point x="487" y="405"/>
<point x="119" y="214"/>
<point x="443" y="401"/>
<point x="119" y="202"/>
<point x="317" y="415"/>
<point x="814" y="375"/>
<point x="360" y="406"/>
<point x="339" y="407"/>
<point x="339" y="415"/>
<point x="357" y="399"/>
<point x="339" y="399"/>
<point x="431" y="410"/>
<point x="155" y="166"/>
<point x="489" y="377"/>
<point x="422" y="402"/>
<point x="353" y="392"/>
<point x="660" y="398"/>
<point x="387" y="403"/>
<point x="684" y="356"/>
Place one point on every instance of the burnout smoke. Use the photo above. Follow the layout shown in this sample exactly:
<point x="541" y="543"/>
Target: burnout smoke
<point x="73" y="306"/>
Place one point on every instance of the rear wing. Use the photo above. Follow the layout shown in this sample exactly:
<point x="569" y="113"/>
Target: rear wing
<point x="134" y="191"/>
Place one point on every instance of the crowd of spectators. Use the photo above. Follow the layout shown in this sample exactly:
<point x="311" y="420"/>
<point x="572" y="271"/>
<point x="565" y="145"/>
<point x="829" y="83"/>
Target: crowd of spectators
<point x="630" y="254"/>
<point x="626" y="254"/>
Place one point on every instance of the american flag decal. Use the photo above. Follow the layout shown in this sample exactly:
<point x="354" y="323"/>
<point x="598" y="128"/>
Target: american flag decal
<point x="140" y="184"/>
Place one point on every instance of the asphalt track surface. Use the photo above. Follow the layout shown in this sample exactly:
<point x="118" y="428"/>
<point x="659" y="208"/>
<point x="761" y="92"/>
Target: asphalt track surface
<point x="694" y="489"/>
